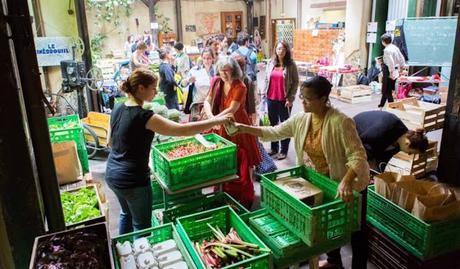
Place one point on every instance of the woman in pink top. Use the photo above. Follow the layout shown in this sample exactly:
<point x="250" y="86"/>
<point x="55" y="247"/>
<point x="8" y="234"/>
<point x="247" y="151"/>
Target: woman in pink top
<point x="281" y="84"/>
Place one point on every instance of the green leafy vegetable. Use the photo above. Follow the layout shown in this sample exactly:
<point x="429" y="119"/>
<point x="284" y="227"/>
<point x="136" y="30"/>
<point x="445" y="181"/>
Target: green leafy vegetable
<point x="80" y="205"/>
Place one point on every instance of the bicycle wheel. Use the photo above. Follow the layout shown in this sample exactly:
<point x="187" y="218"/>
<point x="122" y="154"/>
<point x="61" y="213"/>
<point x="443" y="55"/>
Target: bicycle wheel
<point x="91" y="148"/>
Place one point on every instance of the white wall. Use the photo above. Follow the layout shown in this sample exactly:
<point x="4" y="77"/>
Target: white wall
<point x="191" y="7"/>
<point x="116" y="36"/>
<point x="358" y="13"/>
<point x="284" y="9"/>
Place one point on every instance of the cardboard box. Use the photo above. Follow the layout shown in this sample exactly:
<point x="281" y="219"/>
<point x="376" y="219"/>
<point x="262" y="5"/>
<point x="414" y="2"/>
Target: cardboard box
<point x="301" y="189"/>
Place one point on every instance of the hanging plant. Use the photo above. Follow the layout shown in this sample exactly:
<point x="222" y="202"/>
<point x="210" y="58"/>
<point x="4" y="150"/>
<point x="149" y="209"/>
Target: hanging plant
<point x="163" y="22"/>
<point x="111" y="10"/>
<point x="96" y="44"/>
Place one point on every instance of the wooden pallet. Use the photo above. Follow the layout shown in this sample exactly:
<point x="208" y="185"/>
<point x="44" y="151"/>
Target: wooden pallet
<point x="417" y="114"/>
<point x="107" y="67"/>
<point x="416" y="164"/>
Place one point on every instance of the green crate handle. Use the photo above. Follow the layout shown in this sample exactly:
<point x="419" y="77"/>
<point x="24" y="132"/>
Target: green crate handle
<point x="332" y="211"/>
<point x="204" y="219"/>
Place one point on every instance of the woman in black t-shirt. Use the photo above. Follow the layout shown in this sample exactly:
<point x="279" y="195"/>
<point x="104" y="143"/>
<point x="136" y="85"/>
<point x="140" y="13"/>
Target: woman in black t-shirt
<point x="132" y="131"/>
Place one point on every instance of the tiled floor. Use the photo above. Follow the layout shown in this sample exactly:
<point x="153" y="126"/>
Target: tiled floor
<point x="98" y="168"/>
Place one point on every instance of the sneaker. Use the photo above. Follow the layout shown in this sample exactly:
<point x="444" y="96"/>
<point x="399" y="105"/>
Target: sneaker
<point x="281" y="156"/>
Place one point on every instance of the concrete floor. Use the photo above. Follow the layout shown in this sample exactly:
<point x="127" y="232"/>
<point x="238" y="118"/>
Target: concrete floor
<point x="98" y="168"/>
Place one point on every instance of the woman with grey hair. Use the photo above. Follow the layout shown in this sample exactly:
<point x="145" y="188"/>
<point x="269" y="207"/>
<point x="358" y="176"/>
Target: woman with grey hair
<point x="228" y="95"/>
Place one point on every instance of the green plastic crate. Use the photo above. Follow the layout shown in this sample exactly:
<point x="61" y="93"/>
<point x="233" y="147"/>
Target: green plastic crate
<point x="422" y="239"/>
<point x="194" y="228"/>
<point x="314" y="225"/>
<point x="202" y="204"/>
<point x="157" y="192"/>
<point x="280" y="242"/>
<point x="68" y="128"/>
<point x="172" y="200"/>
<point x="154" y="235"/>
<point x="287" y="248"/>
<point x="155" y="221"/>
<point x="269" y="225"/>
<point x="197" y="168"/>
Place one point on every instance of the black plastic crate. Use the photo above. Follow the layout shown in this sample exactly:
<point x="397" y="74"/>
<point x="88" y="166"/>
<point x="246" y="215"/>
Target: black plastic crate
<point x="384" y="253"/>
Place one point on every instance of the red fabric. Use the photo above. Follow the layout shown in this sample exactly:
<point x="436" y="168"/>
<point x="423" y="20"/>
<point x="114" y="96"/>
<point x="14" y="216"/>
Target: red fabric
<point x="245" y="141"/>
<point x="403" y="91"/>
<point x="243" y="188"/>
<point x="248" y="154"/>
<point x="276" y="90"/>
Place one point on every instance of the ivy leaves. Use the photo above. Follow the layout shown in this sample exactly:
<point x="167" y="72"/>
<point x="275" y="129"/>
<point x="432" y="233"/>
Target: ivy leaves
<point x="111" y="10"/>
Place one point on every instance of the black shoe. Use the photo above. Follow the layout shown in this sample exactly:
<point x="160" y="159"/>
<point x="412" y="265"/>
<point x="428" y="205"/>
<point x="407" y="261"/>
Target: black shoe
<point x="272" y="153"/>
<point x="281" y="156"/>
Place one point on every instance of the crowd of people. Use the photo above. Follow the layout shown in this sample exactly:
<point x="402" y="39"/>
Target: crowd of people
<point x="221" y="90"/>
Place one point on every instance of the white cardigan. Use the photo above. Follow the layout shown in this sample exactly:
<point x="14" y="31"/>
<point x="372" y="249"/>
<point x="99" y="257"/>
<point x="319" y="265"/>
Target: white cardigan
<point x="341" y="144"/>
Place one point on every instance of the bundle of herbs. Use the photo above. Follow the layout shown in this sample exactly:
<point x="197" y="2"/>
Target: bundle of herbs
<point x="225" y="250"/>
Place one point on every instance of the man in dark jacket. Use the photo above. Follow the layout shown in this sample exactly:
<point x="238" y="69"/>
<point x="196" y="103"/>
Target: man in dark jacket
<point x="167" y="81"/>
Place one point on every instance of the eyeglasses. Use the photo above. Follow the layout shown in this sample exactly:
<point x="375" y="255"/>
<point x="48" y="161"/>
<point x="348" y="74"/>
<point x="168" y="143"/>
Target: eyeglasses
<point x="302" y="97"/>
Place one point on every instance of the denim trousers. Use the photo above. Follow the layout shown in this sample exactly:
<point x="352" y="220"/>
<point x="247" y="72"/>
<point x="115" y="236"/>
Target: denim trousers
<point x="277" y="113"/>
<point x="136" y="208"/>
<point x="171" y="101"/>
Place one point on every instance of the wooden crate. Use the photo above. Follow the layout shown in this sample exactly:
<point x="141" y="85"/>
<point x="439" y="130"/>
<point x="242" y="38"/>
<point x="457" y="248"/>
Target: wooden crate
<point x="107" y="67"/>
<point x="352" y="94"/>
<point x="416" y="164"/>
<point x="417" y="114"/>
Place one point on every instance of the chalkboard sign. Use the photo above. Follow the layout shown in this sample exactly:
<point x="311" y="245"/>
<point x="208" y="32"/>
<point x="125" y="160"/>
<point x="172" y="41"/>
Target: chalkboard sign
<point x="430" y="41"/>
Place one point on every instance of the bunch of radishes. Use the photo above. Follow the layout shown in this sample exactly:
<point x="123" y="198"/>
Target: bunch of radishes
<point x="185" y="150"/>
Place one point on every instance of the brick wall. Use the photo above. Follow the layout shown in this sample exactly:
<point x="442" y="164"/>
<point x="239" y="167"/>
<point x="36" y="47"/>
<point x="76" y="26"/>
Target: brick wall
<point x="308" y="48"/>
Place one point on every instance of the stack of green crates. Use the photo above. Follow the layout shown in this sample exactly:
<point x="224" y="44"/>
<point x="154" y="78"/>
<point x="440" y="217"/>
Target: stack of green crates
<point x="287" y="248"/>
<point x="333" y="219"/>
<point x="200" y="204"/>
<point x="69" y="128"/>
<point x="194" y="228"/>
<point x="424" y="240"/>
<point x="154" y="235"/>
<point x="194" y="169"/>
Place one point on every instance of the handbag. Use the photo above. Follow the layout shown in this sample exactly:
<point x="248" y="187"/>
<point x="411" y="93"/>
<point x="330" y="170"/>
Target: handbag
<point x="263" y="113"/>
<point x="267" y="165"/>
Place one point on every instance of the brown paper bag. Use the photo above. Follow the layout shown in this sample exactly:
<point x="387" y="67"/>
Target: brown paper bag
<point x="431" y="208"/>
<point x="384" y="183"/>
<point x="66" y="162"/>
<point x="405" y="192"/>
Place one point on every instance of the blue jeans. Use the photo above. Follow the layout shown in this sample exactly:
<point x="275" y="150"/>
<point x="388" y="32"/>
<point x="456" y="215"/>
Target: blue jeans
<point x="278" y="113"/>
<point x="171" y="101"/>
<point x="136" y="208"/>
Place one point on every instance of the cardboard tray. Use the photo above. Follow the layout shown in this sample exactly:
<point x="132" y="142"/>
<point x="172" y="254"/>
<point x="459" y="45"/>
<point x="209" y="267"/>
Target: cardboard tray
<point x="100" y="229"/>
